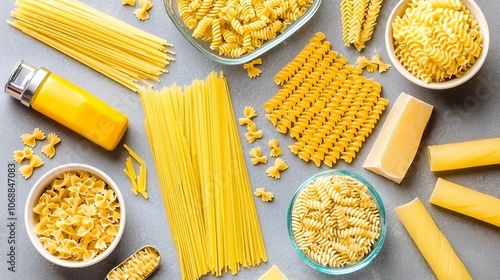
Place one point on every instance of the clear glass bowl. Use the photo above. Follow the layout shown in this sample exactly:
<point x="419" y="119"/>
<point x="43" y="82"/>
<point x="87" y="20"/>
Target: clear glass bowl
<point x="376" y="247"/>
<point x="204" y="47"/>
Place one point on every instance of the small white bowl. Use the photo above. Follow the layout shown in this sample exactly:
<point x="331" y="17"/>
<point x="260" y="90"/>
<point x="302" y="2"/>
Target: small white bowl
<point x="32" y="200"/>
<point x="474" y="9"/>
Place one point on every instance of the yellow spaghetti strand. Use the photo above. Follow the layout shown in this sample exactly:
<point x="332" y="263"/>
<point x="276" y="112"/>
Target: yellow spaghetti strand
<point x="126" y="54"/>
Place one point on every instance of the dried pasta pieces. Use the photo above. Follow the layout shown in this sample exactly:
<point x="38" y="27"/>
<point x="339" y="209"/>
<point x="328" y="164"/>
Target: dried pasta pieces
<point x="466" y="201"/>
<point x="359" y="18"/>
<point x="253" y="133"/>
<point x="257" y="157"/>
<point x="248" y="113"/>
<point x="275" y="170"/>
<point x="373" y="64"/>
<point x="124" y="53"/>
<point x="325" y="104"/>
<point x="436" y="52"/>
<point x="430" y="240"/>
<point x="138" y="181"/>
<point x="30" y="139"/>
<point x="364" y="62"/>
<point x="382" y="66"/>
<point x="142" y="12"/>
<point x="25" y="153"/>
<point x="234" y="28"/>
<point x="77" y="216"/>
<point x="473" y="153"/>
<point x="139" y="265"/>
<point x="253" y="71"/>
<point x="274" y="145"/>
<point x="331" y="212"/>
<point x="128" y="2"/>
<point x="49" y="149"/>
<point x="27" y="169"/>
<point x="266" y="196"/>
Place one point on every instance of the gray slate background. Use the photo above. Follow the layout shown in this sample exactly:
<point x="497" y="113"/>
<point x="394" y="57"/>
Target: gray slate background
<point x="470" y="111"/>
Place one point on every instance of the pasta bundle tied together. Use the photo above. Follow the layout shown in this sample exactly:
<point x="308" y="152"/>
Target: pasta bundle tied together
<point x="128" y="55"/>
<point x="436" y="40"/>
<point x="203" y="178"/>
<point x="325" y="104"/>
<point x="236" y="27"/>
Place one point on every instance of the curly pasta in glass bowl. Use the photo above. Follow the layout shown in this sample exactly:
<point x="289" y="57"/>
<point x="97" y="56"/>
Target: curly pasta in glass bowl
<point x="236" y="32"/>
<point x="75" y="215"/>
<point x="437" y="44"/>
<point x="337" y="222"/>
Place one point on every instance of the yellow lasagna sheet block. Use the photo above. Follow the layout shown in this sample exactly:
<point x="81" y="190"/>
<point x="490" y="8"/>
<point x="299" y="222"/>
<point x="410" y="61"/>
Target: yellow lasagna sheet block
<point x="431" y="242"/>
<point x="398" y="141"/>
<point x="466" y="201"/>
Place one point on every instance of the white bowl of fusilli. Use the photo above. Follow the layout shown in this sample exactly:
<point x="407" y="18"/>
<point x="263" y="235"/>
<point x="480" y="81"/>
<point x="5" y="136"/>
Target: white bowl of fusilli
<point x="337" y="222"/>
<point x="437" y="44"/>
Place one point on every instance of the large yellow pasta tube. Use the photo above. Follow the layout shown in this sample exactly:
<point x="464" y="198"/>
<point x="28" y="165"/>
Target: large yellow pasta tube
<point x="464" y="154"/>
<point x="431" y="242"/>
<point x="466" y="201"/>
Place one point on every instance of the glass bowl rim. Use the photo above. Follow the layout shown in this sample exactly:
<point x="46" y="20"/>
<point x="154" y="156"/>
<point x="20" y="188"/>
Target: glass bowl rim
<point x="376" y="247"/>
<point x="266" y="46"/>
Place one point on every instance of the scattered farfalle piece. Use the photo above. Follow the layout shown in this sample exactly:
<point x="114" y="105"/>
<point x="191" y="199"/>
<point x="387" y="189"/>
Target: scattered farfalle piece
<point x="142" y="12"/>
<point x="274" y="171"/>
<point x="30" y="139"/>
<point x="364" y="62"/>
<point x="49" y="149"/>
<point x="23" y="154"/>
<point x="252" y="133"/>
<point x="266" y="196"/>
<point x="382" y="66"/>
<point x="251" y="69"/>
<point x="249" y="112"/>
<point x="274" y="145"/>
<point x="27" y="169"/>
<point x="245" y="121"/>
<point x="257" y="157"/>
<point x="128" y="2"/>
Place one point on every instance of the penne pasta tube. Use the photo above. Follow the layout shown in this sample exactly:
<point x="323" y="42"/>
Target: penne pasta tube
<point x="466" y="201"/>
<point x="431" y="242"/>
<point x="464" y="154"/>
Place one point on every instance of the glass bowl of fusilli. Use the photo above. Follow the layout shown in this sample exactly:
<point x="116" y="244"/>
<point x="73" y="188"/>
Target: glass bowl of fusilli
<point x="75" y="215"/>
<point x="237" y="32"/>
<point x="437" y="44"/>
<point x="337" y="222"/>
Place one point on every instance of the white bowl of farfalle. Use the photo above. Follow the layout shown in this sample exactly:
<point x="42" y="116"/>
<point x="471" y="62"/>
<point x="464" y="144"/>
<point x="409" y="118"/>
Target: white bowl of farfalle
<point x="75" y="215"/>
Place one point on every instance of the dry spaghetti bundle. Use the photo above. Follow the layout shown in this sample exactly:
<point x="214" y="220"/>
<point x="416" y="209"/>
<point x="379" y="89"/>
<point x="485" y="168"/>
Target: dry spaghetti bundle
<point x="203" y="178"/>
<point x="128" y="55"/>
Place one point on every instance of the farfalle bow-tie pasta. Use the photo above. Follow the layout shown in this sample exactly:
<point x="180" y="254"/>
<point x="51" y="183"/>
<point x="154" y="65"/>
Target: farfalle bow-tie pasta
<point x="77" y="217"/>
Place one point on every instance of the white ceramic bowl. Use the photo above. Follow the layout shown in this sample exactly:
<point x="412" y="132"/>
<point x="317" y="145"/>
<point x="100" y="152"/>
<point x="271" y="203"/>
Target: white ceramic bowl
<point x="32" y="200"/>
<point x="399" y="10"/>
